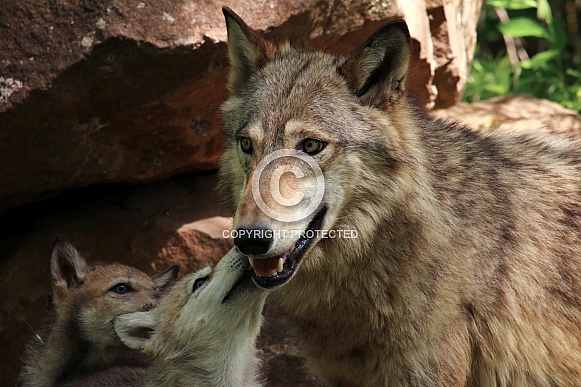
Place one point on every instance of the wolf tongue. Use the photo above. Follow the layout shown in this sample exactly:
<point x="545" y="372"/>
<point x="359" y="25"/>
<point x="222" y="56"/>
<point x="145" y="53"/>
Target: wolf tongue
<point x="265" y="267"/>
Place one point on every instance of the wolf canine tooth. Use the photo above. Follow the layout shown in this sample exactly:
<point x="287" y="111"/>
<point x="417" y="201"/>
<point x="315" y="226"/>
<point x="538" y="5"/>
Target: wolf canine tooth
<point x="280" y="264"/>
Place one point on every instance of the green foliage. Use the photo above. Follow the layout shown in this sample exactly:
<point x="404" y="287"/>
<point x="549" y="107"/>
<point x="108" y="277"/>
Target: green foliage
<point x="551" y="70"/>
<point x="513" y="4"/>
<point x="522" y="26"/>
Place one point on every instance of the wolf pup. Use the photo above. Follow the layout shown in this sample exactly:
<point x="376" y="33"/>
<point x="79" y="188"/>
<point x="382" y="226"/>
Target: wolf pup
<point x="434" y="256"/>
<point x="86" y="299"/>
<point x="203" y="333"/>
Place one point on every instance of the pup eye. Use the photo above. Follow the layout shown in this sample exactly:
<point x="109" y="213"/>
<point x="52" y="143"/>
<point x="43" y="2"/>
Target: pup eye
<point x="312" y="146"/>
<point x="121" y="288"/>
<point x="199" y="282"/>
<point x="246" y="145"/>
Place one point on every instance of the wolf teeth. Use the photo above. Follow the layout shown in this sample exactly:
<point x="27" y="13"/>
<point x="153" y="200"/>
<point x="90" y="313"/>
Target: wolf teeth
<point x="251" y="260"/>
<point x="280" y="263"/>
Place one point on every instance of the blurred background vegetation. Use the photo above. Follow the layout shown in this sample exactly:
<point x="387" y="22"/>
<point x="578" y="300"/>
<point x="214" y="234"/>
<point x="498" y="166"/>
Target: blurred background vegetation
<point x="528" y="47"/>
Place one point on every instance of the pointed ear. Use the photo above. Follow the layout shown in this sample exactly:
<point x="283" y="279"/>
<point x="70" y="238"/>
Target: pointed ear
<point x="376" y="71"/>
<point x="247" y="50"/>
<point x="167" y="278"/>
<point x="68" y="269"/>
<point x="135" y="329"/>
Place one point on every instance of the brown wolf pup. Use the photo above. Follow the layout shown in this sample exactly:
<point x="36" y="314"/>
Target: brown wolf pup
<point x="203" y="333"/>
<point x="86" y="299"/>
<point x="434" y="255"/>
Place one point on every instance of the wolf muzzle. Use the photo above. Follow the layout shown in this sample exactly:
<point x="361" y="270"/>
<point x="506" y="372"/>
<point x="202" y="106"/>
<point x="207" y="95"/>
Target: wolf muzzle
<point x="253" y="241"/>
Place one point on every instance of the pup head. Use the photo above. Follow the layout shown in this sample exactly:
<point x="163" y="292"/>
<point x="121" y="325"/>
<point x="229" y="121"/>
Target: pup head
<point x="212" y="311"/>
<point x="305" y="131"/>
<point x="94" y="295"/>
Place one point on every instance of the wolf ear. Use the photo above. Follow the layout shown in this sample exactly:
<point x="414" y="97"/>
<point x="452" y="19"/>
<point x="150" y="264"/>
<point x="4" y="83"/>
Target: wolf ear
<point x="247" y="50"/>
<point x="376" y="71"/>
<point x="67" y="268"/>
<point x="135" y="329"/>
<point x="167" y="278"/>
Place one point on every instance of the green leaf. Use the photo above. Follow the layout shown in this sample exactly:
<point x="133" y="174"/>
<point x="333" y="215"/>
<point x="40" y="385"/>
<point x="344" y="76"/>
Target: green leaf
<point x="539" y="60"/>
<point x="544" y="12"/>
<point x="477" y="66"/>
<point x="522" y="26"/>
<point x="513" y="4"/>
<point x="496" y="89"/>
<point x="558" y="40"/>
<point x="574" y="73"/>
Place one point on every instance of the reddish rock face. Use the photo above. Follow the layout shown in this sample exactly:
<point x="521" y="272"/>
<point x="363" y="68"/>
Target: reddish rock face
<point x="95" y="92"/>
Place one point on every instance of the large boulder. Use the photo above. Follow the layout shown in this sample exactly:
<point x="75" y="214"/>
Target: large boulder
<point x="95" y="92"/>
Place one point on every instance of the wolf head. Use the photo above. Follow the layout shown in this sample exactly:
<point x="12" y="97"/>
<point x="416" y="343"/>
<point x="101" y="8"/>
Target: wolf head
<point x="93" y="295"/>
<point x="304" y="128"/>
<point x="208" y="316"/>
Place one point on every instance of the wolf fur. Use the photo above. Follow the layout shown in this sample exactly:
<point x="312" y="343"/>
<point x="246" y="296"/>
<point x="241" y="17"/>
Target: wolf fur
<point x="467" y="266"/>
<point x="128" y="375"/>
<point x="81" y="339"/>
<point x="202" y="334"/>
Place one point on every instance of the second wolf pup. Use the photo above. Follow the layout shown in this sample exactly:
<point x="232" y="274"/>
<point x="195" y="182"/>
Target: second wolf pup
<point x="203" y="333"/>
<point x="86" y="299"/>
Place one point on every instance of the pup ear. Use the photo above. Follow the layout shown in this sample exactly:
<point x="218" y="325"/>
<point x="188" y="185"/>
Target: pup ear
<point x="135" y="329"/>
<point x="247" y="50"/>
<point x="167" y="278"/>
<point x="376" y="71"/>
<point x="67" y="267"/>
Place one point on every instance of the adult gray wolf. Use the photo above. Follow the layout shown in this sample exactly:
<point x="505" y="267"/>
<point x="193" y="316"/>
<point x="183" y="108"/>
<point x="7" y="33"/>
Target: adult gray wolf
<point x="80" y="338"/>
<point x="463" y="265"/>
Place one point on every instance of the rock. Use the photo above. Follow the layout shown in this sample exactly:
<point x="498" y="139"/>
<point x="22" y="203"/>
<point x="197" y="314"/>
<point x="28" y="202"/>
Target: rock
<point x="178" y="221"/>
<point x="97" y="92"/>
<point x="516" y="112"/>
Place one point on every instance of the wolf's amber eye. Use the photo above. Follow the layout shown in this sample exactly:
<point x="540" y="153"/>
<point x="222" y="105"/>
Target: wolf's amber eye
<point x="199" y="282"/>
<point x="312" y="146"/>
<point x="246" y="145"/>
<point x="121" y="288"/>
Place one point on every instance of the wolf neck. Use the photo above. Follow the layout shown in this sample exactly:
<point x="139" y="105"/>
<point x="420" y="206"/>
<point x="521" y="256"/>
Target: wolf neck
<point x="222" y="362"/>
<point x="47" y="362"/>
<point x="366" y="279"/>
<point x="66" y="351"/>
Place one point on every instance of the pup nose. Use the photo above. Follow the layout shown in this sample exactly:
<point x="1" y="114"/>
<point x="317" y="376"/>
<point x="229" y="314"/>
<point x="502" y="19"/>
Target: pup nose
<point x="253" y="241"/>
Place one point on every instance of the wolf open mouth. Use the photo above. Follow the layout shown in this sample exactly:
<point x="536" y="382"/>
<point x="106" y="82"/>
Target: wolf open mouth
<point x="275" y="271"/>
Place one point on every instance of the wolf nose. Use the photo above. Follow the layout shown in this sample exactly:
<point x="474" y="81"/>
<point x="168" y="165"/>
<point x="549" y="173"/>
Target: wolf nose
<point x="253" y="241"/>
